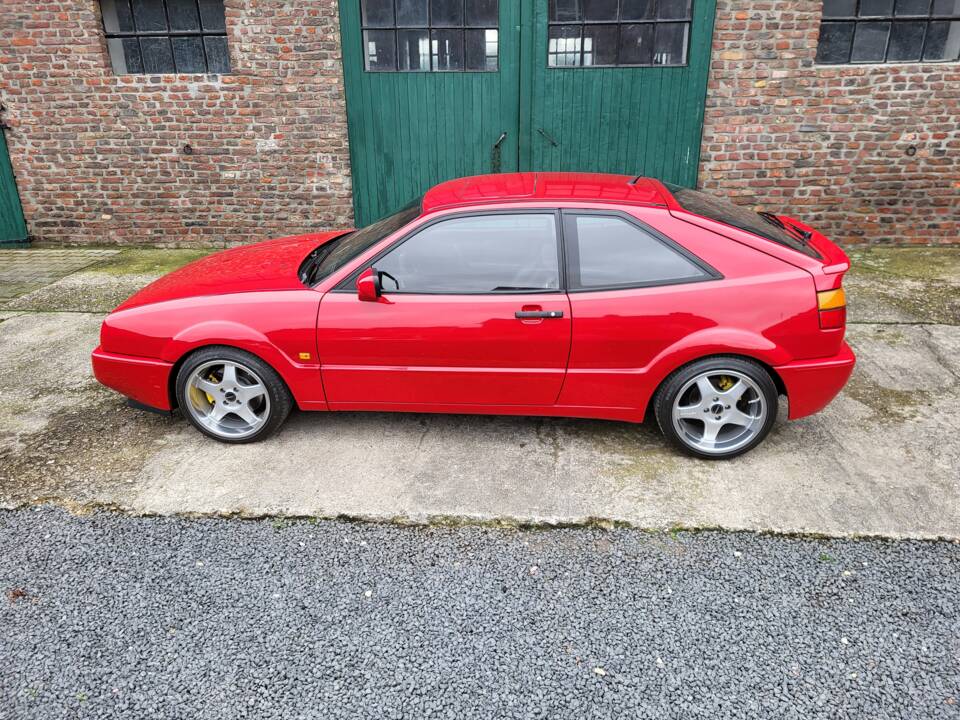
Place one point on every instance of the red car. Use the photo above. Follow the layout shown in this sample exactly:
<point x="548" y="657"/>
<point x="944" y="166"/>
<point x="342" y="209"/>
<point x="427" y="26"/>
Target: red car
<point x="581" y="295"/>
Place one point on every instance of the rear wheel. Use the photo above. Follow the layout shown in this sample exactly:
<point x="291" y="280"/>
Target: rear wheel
<point x="231" y="395"/>
<point x="717" y="407"/>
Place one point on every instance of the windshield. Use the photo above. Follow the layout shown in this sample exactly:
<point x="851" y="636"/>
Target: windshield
<point x="333" y="255"/>
<point x="722" y="210"/>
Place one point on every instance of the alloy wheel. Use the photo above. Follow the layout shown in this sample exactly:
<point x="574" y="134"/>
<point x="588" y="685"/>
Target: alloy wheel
<point x="719" y="411"/>
<point x="228" y="398"/>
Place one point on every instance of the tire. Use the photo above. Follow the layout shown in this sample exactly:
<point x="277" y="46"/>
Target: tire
<point x="738" y="411"/>
<point x="242" y="405"/>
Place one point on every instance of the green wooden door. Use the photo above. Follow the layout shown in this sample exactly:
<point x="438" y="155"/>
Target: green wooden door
<point x="12" y="226"/>
<point x="588" y="85"/>
<point x="616" y="86"/>
<point x="411" y="130"/>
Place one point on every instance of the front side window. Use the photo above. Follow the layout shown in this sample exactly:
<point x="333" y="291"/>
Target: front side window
<point x="472" y="255"/>
<point x="430" y="35"/>
<point x="604" y="33"/>
<point x="889" y="31"/>
<point x="166" y="36"/>
<point x="605" y="251"/>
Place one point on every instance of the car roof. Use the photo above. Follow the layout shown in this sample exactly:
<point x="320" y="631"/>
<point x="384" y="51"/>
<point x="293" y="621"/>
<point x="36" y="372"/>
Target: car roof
<point x="545" y="186"/>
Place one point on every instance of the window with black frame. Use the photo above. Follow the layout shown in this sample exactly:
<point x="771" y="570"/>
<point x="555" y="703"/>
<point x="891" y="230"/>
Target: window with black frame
<point x="889" y="31"/>
<point x="430" y="35"/>
<point x="605" y="33"/>
<point x="166" y="36"/>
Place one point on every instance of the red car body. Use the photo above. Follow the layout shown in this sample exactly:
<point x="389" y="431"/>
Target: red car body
<point x="469" y="353"/>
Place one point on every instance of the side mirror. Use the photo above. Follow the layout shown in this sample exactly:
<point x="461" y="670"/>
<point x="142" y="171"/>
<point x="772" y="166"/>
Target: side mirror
<point x="368" y="285"/>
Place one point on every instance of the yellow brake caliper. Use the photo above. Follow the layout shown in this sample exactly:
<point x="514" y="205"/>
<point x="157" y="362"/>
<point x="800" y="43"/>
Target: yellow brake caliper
<point x="212" y="379"/>
<point x="725" y="382"/>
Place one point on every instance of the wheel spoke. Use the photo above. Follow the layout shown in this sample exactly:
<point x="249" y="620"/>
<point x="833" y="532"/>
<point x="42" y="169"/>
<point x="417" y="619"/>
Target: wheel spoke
<point x="711" y="428"/>
<point x="218" y="412"/>
<point x="244" y="411"/>
<point x="229" y="374"/>
<point x="251" y="392"/>
<point x="690" y="412"/>
<point x="739" y="418"/>
<point x="707" y="391"/>
<point x="207" y="386"/>
<point x="735" y="393"/>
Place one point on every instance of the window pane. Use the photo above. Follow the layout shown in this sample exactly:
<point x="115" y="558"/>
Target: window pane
<point x="876" y="8"/>
<point x="381" y="49"/>
<point x="447" y="46"/>
<point x="149" y="16"/>
<point x="218" y="57"/>
<point x="157" y="57"/>
<point x="906" y="40"/>
<point x="412" y="13"/>
<point x="413" y="49"/>
<point x="376" y="13"/>
<point x="183" y="16"/>
<point x="636" y="9"/>
<point x="481" y="49"/>
<point x="600" y="10"/>
<point x="117" y="16"/>
<point x="912" y="7"/>
<point x="614" y="252"/>
<point x="495" y="253"/>
<point x="943" y="41"/>
<point x="636" y="44"/>
<point x="565" y="10"/>
<point x="670" y="44"/>
<point x="446" y="12"/>
<point x="839" y="8"/>
<point x="946" y="7"/>
<point x="600" y="45"/>
<point x="188" y="54"/>
<point x="563" y="49"/>
<point x="870" y="42"/>
<point x="211" y="15"/>
<point x="483" y="13"/>
<point x="834" y="43"/>
<point x="673" y="9"/>
<point x="125" y="55"/>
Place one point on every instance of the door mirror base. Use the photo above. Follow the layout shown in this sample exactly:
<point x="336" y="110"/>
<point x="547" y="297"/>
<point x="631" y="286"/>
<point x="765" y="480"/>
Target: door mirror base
<point x="368" y="285"/>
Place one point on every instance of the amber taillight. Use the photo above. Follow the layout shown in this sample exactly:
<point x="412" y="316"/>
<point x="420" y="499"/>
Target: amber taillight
<point x="832" y="305"/>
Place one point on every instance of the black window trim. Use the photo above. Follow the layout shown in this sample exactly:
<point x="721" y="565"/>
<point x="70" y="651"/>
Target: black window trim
<point x="429" y="27"/>
<point x="857" y="19"/>
<point x="169" y="34"/>
<point x="348" y="284"/>
<point x="572" y="274"/>
<point x="619" y="23"/>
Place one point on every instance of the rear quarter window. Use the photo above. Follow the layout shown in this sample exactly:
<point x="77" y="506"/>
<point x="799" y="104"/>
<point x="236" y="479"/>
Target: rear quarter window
<point x="723" y="211"/>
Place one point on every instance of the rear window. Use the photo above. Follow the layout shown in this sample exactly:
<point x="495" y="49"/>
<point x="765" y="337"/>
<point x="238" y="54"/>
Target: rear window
<point x="722" y="210"/>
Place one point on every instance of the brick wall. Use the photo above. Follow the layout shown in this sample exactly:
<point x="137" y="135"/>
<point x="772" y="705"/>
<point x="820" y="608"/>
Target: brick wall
<point x="105" y="159"/>
<point x="830" y="144"/>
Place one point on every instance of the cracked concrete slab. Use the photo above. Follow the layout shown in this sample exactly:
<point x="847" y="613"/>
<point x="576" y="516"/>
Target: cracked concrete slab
<point x="881" y="460"/>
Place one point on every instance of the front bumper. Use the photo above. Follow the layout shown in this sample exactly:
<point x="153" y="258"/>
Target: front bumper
<point x="143" y="380"/>
<point x="812" y="384"/>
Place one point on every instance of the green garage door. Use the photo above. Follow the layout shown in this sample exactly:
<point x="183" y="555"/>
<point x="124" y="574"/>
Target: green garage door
<point x="12" y="226"/>
<point x="438" y="89"/>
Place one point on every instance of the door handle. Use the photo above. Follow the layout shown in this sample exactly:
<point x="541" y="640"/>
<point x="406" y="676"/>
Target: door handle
<point x="527" y="314"/>
<point x="547" y="137"/>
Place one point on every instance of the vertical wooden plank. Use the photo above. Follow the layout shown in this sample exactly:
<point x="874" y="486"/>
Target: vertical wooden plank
<point x="12" y="225"/>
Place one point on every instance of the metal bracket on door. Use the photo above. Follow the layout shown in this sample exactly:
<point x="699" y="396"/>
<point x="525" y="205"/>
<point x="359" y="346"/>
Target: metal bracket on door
<point x="547" y="137"/>
<point x="495" y="162"/>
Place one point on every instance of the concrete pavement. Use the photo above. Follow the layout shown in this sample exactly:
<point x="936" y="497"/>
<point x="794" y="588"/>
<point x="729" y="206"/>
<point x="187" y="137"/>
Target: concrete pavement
<point x="883" y="459"/>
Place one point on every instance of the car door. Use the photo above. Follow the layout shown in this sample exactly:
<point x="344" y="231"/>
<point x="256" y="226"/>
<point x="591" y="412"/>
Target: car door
<point x="472" y="312"/>
<point x="633" y="294"/>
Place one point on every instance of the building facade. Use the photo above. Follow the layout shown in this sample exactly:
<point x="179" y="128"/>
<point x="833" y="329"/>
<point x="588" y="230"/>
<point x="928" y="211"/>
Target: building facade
<point x="216" y="122"/>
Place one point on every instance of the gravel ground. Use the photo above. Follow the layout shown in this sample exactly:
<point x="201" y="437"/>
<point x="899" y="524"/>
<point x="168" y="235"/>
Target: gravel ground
<point x="112" y="616"/>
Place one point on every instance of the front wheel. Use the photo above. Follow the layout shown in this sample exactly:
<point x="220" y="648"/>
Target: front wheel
<point x="717" y="407"/>
<point x="231" y="395"/>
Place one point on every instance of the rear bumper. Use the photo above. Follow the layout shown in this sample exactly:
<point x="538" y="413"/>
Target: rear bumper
<point x="812" y="384"/>
<point x="143" y="380"/>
